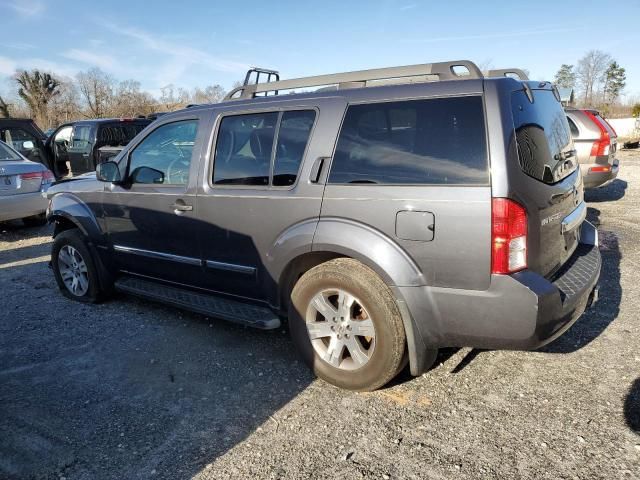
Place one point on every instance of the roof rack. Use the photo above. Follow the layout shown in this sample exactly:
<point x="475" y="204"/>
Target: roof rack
<point x="506" y="72"/>
<point x="454" y="70"/>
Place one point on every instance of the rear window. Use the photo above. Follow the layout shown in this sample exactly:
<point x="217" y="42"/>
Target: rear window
<point x="542" y="136"/>
<point x="436" y="141"/>
<point x="6" y="154"/>
<point x="118" y="133"/>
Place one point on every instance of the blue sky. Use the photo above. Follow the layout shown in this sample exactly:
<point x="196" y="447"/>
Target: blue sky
<point x="197" y="43"/>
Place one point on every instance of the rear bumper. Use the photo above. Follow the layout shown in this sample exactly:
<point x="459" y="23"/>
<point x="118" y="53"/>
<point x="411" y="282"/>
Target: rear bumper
<point x="598" y="179"/>
<point x="522" y="311"/>
<point x="22" y="205"/>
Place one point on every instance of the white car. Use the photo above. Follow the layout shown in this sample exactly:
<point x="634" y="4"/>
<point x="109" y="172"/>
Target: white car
<point x="22" y="184"/>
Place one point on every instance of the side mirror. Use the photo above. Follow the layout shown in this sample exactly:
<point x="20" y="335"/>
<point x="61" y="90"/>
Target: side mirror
<point x="28" y="145"/>
<point x="108" y="172"/>
<point x="146" y="175"/>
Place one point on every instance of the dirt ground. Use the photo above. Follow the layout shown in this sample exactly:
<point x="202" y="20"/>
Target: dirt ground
<point x="129" y="389"/>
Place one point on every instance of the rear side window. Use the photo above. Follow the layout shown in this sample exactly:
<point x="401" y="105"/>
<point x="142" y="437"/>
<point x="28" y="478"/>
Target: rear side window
<point x="438" y="141"/>
<point x="293" y="136"/>
<point x="118" y="133"/>
<point x="245" y="149"/>
<point x="542" y="136"/>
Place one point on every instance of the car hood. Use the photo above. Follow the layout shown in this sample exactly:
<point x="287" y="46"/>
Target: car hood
<point x="81" y="183"/>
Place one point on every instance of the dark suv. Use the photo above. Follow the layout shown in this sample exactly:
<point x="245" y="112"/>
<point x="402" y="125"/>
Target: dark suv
<point x="384" y="217"/>
<point x="75" y="147"/>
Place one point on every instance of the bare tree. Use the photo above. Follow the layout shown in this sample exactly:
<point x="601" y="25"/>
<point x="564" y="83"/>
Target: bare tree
<point x="37" y="89"/>
<point x="4" y="108"/>
<point x="173" y="99"/>
<point x="590" y="72"/>
<point x="67" y="105"/>
<point x="210" y="94"/>
<point x="96" y="88"/>
<point x="130" y="100"/>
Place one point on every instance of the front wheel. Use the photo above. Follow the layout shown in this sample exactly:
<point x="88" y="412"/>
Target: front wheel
<point x="346" y="324"/>
<point x="74" y="268"/>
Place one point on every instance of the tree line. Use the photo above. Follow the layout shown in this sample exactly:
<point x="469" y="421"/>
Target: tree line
<point x="51" y="100"/>
<point x="598" y="80"/>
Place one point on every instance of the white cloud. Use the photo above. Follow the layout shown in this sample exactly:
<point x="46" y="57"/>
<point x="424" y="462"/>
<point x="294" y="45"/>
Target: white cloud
<point x="105" y="62"/>
<point x="178" y="58"/>
<point x="411" y="6"/>
<point x="25" y="8"/>
<point x="7" y="66"/>
<point x="486" y="36"/>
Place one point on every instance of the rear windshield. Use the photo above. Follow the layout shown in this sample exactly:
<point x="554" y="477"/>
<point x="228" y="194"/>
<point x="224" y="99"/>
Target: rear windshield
<point x="6" y="154"/>
<point x="542" y="135"/>
<point x="118" y="133"/>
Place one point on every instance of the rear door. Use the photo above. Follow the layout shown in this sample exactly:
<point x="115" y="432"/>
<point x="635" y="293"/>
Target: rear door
<point x="545" y="178"/>
<point x="417" y="171"/>
<point x="257" y="188"/>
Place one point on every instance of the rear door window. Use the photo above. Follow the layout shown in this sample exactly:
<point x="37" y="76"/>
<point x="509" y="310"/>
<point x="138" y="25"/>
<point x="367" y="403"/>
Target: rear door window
<point x="245" y="153"/>
<point x="437" y="141"/>
<point x="542" y="135"/>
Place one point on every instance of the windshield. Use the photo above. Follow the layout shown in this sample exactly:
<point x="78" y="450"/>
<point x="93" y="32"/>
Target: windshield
<point x="7" y="154"/>
<point x="545" y="148"/>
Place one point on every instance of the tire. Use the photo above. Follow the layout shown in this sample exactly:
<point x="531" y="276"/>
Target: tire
<point x="73" y="245"/>
<point x="35" y="221"/>
<point x="359" y="340"/>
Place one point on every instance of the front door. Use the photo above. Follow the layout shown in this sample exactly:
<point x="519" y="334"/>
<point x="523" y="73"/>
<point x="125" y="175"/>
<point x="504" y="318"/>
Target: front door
<point x="258" y="188"/>
<point x="151" y="217"/>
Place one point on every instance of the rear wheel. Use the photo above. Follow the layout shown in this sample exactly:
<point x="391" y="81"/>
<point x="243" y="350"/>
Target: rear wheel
<point x="74" y="268"/>
<point x="345" y="322"/>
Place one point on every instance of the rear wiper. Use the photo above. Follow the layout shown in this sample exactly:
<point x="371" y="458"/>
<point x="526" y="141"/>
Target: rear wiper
<point x="565" y="155"/>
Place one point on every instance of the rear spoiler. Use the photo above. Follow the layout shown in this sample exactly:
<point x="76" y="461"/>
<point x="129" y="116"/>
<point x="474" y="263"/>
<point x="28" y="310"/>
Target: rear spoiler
<point x="508" y="72"/>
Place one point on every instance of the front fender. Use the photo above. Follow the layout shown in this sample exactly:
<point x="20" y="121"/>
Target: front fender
<point x="71" y="208"/>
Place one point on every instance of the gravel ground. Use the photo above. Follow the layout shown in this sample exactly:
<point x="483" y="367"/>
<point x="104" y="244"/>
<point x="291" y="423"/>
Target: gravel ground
<point x="129" y="389"/>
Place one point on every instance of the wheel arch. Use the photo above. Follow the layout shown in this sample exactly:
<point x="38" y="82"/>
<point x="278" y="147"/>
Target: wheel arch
<point x="68" y="211"/>
<point x="336" y="238"/>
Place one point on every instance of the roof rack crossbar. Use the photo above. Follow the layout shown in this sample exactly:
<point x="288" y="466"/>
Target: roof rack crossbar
<point x="442" y="70"/>
<point x="505" y="72"/>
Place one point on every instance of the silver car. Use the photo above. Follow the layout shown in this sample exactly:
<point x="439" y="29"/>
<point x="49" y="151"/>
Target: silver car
<point x="22" y="183"/>
<point x="595" y="142"/>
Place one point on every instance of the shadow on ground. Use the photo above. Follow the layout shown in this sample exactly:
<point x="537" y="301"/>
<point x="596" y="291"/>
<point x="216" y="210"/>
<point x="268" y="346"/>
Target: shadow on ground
<point x="632" y="407"/>
<point x="155" y="392"/>
<point x="610" y="192"/>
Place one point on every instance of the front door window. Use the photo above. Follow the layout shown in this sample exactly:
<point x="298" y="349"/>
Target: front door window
<point x="164" y="156"/>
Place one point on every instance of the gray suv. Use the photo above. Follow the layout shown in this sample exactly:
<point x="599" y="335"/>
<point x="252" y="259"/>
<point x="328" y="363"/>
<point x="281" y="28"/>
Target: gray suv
<point x="387" y="214"/>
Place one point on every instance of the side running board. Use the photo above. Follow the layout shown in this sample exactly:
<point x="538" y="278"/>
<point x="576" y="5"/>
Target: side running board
<point x="215" y="306"/>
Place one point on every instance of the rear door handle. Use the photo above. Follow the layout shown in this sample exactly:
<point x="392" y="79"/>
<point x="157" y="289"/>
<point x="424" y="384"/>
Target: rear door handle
<point x="181" y="207"/>
<point x="316" y="169"/>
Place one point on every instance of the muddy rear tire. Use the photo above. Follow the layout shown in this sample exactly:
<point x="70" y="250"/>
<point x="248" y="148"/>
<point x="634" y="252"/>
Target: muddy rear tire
<point x="346" y="325"/>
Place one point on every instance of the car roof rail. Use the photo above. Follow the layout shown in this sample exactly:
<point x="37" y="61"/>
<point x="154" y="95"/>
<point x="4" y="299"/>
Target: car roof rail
<point x="453" y="70"/>
<point x="507" y="72"/>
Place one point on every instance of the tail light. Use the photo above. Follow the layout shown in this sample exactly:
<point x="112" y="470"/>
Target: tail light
<point x="600" y="169"/>
<point x="508" y="236"/>
<point x="48" y="177"/>
<point x="31" y="176"/>
<point x="601" y="146"/>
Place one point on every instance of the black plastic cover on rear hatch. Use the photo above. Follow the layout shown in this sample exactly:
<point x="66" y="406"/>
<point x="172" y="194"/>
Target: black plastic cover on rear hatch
<point x="542" y="135"/>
